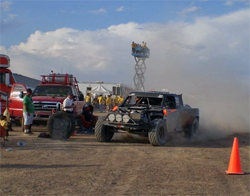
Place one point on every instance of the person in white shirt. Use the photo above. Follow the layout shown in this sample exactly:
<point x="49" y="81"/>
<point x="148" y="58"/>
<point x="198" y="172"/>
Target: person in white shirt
<point x="68" y="103"/>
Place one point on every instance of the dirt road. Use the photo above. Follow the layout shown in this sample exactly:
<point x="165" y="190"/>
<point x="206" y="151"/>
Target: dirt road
<point x="83" y="166"/>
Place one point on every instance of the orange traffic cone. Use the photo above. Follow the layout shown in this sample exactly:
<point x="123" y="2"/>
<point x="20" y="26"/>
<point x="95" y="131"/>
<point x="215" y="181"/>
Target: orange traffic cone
<point x="234" y="163"/>
<point x="75" y="133"/>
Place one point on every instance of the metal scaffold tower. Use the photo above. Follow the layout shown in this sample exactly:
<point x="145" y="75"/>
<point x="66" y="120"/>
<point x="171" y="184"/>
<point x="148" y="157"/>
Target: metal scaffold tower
<point x="140" y="69"/>
<point x="140" y="53"/>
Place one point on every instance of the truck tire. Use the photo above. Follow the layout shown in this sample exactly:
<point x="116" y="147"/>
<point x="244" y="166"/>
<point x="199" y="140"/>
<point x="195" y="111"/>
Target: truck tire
<point x="192" y="130"/>
<point x="102" y="132"/>
<point x="158" y="134"/>
<point x="63" y="116"/>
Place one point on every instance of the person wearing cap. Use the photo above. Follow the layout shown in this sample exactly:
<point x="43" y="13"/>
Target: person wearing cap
<point x="28" y="111"/>
<point x="68" y="103"/>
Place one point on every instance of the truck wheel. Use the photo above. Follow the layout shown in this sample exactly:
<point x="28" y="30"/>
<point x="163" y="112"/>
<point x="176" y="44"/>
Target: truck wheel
<point x="158" y="134"/>
<point x="102" y="132"/>
<point x="193" y="129"/>
<point x="61" y="118"/>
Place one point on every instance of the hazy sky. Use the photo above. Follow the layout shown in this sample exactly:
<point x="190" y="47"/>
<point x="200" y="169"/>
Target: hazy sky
<point x="198" y="48"/>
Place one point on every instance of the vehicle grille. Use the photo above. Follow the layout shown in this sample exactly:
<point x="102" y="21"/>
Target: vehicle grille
<point x="45" y="106"/>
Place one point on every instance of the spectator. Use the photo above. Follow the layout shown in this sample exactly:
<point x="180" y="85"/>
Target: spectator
<point x="120" y="100"/>
<point x="88" y="119"/>
<point x="116" y="100"/>
<point x="8" y="119"/>
<point x="95" y="102"/>
<point x="133" y="47"/>
<point x="100" y="102"/>
<point x="4" y="124"/>
<point x="88" y="99"/>
<point x="104" y="101"/>
<point x="144" y="46"/>
<point x="68" y="104"/>
<point x="28" y="112"/>
<point x="109" y="103"/>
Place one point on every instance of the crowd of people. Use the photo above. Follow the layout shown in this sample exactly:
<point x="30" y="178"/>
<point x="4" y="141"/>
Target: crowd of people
<point x="104" y="102"/>
<point x="142" y="47"/>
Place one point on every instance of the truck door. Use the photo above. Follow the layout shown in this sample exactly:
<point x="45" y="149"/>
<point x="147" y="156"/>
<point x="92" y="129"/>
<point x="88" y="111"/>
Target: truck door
<point x="16" y="100"/>
<point x="172" y="104"/>
<point x="6" y="81"/>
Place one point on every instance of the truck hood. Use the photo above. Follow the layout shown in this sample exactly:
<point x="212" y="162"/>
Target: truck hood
<point x="45" y="98"/>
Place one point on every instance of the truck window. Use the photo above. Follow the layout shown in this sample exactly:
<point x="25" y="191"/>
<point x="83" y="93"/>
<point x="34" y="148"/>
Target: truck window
<point x="75" y="93"/>
<point x="58" y="91"/>
<point x="151" y="101"/>
<point x="7" y="79"/>
<point x="17" y="89"/>
<point x="170" y="102"/>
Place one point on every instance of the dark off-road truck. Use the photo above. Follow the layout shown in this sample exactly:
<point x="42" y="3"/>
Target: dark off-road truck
<point x="150" y="114"/>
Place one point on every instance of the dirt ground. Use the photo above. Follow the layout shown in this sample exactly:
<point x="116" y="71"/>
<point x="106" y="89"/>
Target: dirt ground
<point x="126" y="166"/>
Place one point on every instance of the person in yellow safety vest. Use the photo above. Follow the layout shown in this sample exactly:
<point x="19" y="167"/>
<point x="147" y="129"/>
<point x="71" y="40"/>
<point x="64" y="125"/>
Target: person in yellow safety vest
<point x="144" y="46"/>
<point x="7" y="114"/>
<point x="116" y="101"/>
<point x="120" y="100"/>
<point x="133" y="46"/>
<point x="100" y="102"/>
<point x="108" y="102"/>
<point x="88" y="99"/>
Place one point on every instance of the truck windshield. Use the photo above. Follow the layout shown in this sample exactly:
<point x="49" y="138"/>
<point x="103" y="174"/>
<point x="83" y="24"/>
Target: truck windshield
<point x="58" y="91"/>
<point x="142" y="101"/>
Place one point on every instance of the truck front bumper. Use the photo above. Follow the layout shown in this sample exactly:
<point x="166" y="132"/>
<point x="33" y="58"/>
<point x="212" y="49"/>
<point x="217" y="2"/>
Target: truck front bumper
<point x="42" y="116"/>
<point x="127" y="126"/>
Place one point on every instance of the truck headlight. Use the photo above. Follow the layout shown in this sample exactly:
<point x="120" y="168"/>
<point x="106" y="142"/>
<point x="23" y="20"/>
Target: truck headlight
<point x="126" y="118"/>
<point x="111" y="117"/>
<point x="118" y="117"/>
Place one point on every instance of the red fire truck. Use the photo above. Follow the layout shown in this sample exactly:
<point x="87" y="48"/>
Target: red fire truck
<point x="47" y="97"/>
<point x="6" y="80"/>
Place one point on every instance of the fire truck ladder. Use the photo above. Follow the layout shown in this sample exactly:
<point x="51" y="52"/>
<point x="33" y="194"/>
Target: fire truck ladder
<point x="60" y="79"/>
<point x="140" y="69"/>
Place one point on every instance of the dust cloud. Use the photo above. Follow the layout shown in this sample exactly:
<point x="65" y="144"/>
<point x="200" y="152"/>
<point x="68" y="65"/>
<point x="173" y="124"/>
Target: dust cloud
<point x="131" y="138"/>
<point x="222" y="99"/>
<point x="207" y="62"/>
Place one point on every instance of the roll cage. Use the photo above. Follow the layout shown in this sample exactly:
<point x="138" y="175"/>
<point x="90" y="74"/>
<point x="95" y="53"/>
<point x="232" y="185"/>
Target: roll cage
<point x="153" y="100"/>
